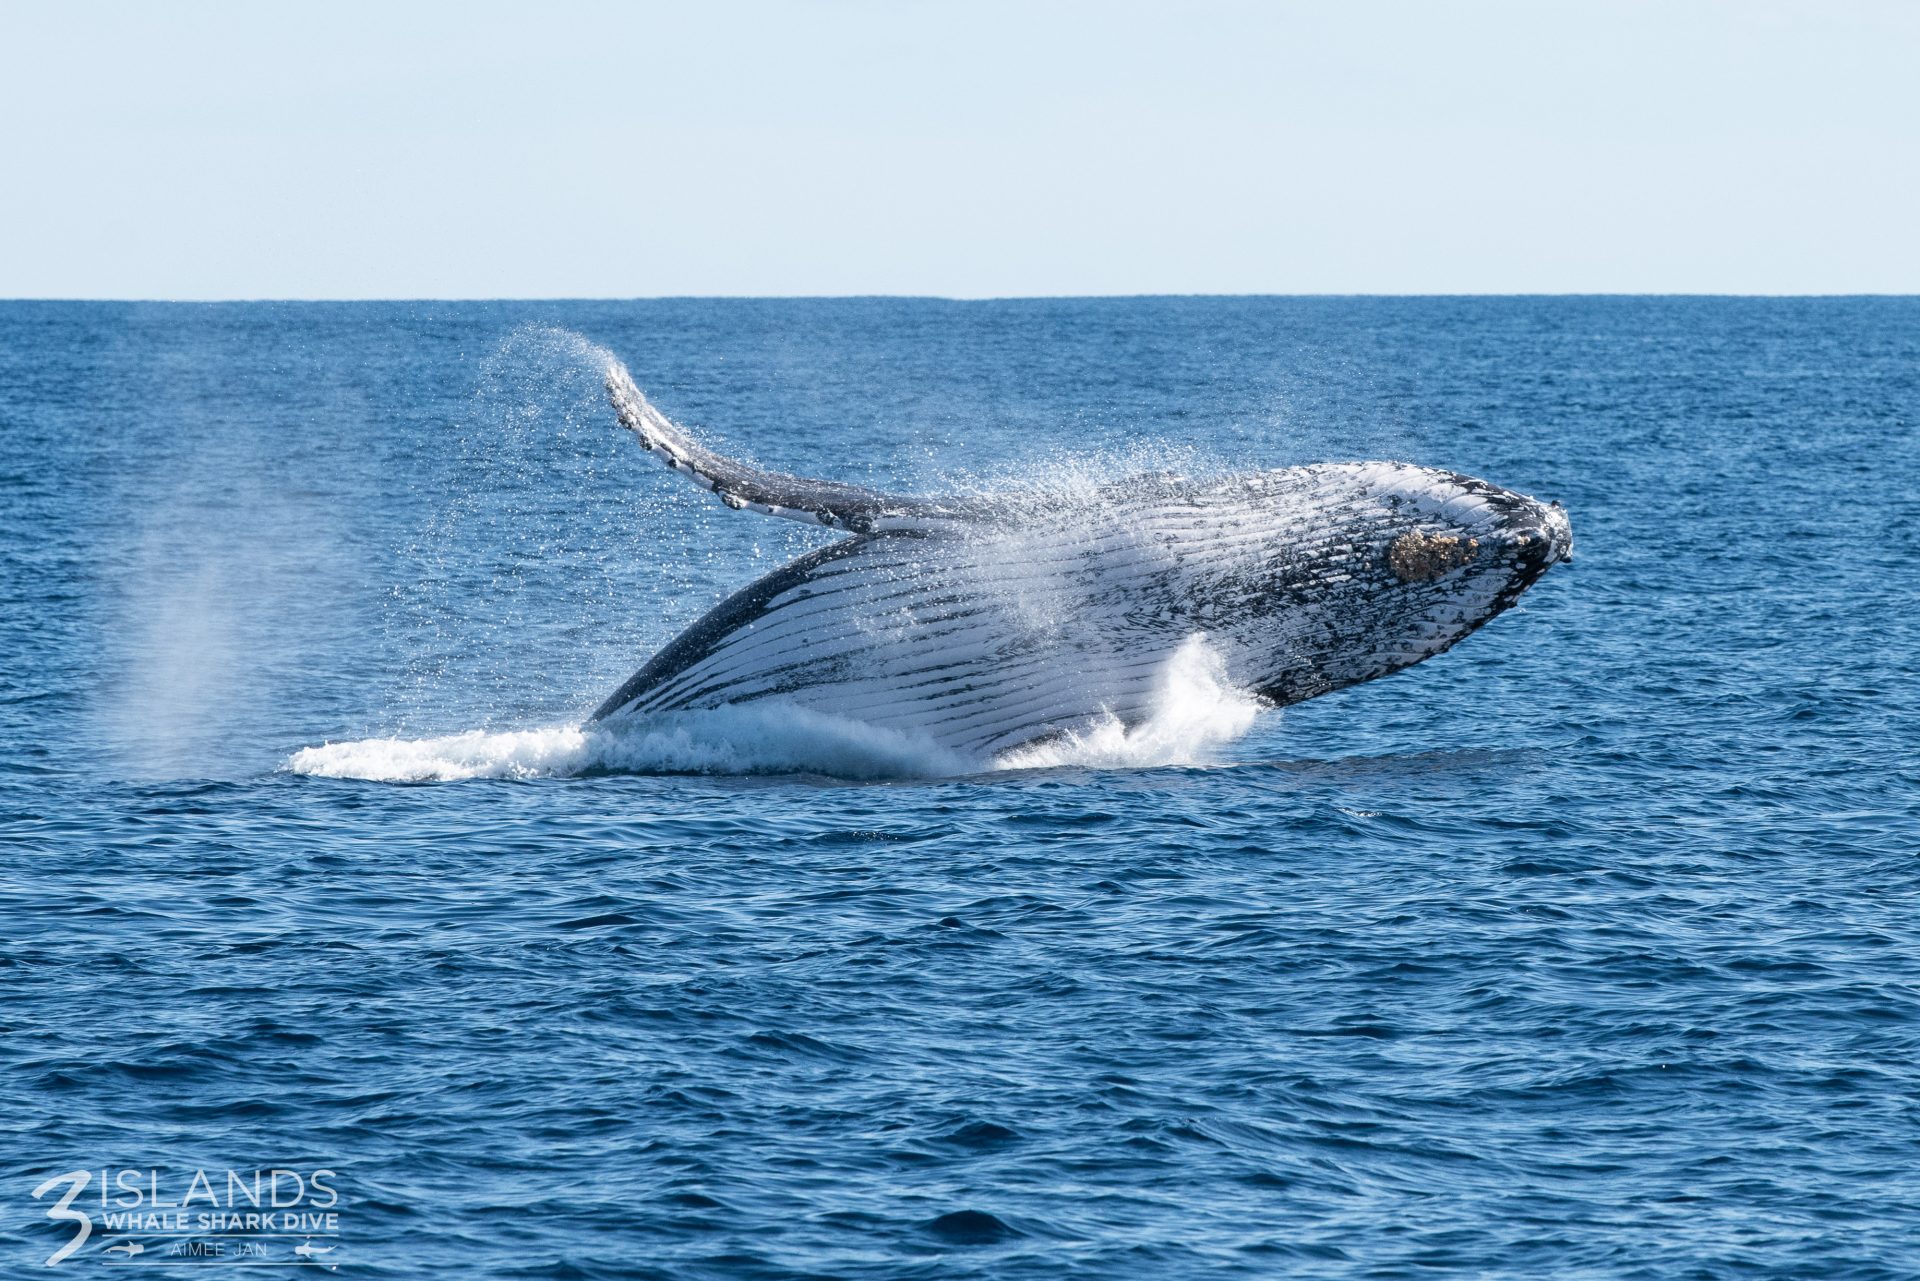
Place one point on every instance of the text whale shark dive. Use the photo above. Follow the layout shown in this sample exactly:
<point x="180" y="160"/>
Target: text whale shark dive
<point x="983" y="625"/>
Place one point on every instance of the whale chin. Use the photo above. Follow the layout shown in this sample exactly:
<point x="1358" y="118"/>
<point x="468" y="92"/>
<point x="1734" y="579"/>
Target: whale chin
<point x="1533" y="540"/>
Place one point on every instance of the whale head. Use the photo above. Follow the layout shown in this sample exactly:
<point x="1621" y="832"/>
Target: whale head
<point x="1372" y="567"/>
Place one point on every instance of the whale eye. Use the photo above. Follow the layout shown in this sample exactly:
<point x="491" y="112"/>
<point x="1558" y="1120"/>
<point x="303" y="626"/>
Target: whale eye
<point x="1421" y="558"/>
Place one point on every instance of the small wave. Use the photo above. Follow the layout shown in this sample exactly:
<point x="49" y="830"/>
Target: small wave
<point x="1196" y="711"/>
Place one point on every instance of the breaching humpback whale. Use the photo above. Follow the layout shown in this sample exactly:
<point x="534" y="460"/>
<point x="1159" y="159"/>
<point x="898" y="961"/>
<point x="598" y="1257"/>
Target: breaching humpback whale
<point x="982" y="625"/>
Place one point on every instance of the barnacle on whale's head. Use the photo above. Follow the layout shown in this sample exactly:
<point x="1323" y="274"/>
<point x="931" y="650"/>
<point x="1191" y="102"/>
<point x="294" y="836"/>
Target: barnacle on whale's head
<point x="1420" y="558"/>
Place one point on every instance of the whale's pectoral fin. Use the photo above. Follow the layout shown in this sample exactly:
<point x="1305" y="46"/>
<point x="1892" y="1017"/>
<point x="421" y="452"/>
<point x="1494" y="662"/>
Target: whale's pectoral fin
<point x="832" y="503"/>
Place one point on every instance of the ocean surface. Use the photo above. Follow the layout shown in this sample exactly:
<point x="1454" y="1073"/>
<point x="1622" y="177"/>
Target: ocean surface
<point x="1590" y="949"/>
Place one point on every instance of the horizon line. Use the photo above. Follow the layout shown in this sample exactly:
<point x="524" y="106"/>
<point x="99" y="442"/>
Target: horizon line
<point x="945" y="298"/>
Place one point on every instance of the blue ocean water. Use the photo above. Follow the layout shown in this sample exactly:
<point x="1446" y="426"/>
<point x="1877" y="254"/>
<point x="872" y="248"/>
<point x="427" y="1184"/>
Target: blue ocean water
<point x="1588" y="949"/>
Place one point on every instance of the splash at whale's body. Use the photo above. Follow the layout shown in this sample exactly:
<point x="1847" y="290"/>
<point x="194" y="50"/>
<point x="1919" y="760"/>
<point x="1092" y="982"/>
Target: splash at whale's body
<point x="993" y="626"/>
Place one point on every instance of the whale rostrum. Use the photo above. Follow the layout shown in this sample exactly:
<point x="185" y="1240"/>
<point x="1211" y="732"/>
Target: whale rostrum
<point x="983" y="624"/>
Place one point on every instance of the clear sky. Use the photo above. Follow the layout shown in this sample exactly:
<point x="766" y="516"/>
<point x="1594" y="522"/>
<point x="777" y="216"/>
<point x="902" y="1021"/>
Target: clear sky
<point x="415" y="150"/>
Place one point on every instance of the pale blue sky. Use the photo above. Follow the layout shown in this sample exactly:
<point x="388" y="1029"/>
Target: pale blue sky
<point x="413" y="150"/>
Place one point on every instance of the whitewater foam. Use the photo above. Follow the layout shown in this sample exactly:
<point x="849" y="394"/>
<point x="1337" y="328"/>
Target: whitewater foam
<point x="757" y="739"/>
<point x="1196" y="711"/>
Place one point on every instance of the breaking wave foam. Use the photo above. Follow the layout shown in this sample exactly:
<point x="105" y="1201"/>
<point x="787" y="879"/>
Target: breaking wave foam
<point x="760" y="739"/>
<point x="1196" y="711"/>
